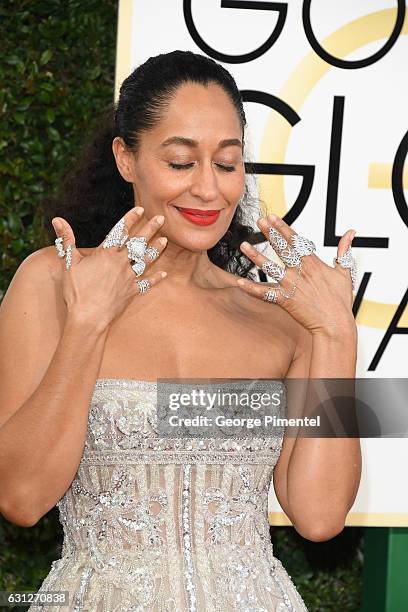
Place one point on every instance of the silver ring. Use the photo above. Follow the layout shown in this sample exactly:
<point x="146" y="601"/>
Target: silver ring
<point x="138" y="267"/>
<point x="152" y="253"/>
<point x="290" y="295"/>
<point x="60" y="249"/>
<point x="136" y="247"/>
<point x="61" y="252"/>
<point x="68" y="261"/>
<point x="117" y="236"/>
<point x="271" y="268"/>
<point x="276" y="239"/>
<point x="288" y="255"/>
<point x="143" y="285"/>
<point x="270" y="295"/>
<point x="348" y="261"/>
<point x="302" y="245"/>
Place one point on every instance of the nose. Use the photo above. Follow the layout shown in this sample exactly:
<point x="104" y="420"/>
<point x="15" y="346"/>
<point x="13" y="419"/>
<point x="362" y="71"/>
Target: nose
<point x="205" y="184"/>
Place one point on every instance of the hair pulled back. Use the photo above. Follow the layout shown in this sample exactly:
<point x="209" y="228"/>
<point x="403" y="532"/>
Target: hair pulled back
<point x="93" y="196"/>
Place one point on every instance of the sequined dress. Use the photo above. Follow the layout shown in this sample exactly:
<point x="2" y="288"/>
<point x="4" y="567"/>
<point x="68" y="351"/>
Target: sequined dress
<point x="154" y="524"/>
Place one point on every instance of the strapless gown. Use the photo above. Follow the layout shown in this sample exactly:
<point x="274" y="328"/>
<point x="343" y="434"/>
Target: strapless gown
<point x="158" y="524"/>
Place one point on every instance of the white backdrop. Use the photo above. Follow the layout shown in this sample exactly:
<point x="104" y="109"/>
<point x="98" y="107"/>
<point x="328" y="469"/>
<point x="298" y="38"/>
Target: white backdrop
<point x="345" y="118"/>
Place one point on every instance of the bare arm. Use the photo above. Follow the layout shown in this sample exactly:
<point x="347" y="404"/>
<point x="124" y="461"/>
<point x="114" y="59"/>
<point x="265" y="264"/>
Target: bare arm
<point x="43" y="416"/>
<point x="316" y="479"/>
<point x="48" y="370"/>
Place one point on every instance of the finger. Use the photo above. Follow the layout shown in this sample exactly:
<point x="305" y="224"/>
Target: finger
<point x="258" y="290"/>
<point x="145" y="284"/>
<point x="137" y="250"/>
<point x="279" y="234"/>
<point x="268" y="266"/>
<point x="271" y="220"/>
<point x="148" y="230"/>
<point x="65" y="233"/>
<point x="345" y="241"/>
<point x="344" y="244"/>
<point x="155" y="249"/>
<point x="121" y="230"/>
<point x="146" y="255"/>
<point x="344" y="250"/>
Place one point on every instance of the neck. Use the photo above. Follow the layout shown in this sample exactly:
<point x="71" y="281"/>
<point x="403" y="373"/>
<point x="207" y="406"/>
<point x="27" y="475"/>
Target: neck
<point x="187" y="268"/>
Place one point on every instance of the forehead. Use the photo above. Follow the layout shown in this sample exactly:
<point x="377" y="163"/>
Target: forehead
<point x="201" y="112"/>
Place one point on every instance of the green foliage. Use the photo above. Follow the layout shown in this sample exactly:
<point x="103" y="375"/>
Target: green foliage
<point x="56" y="76"/>
<point x="26" y="554"/>
<point x="328" y="575"/>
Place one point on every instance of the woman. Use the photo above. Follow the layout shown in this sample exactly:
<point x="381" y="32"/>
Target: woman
<point x="152" y="523"/>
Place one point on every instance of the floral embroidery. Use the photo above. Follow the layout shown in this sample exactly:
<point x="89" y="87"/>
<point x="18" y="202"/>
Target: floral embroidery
<point x="167" y="524"/>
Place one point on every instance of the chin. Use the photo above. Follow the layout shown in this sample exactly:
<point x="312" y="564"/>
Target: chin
<point x="197" y="243"/>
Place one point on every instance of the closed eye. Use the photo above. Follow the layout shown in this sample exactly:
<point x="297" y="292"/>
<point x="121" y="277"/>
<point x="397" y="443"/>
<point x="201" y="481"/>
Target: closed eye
<point x="185" y="166"/>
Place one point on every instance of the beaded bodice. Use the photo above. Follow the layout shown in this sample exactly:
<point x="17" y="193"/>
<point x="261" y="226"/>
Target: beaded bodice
<point x="167" y="524"/>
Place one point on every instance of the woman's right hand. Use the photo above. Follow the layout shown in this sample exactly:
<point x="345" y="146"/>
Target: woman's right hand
<point x="98" y="287"/>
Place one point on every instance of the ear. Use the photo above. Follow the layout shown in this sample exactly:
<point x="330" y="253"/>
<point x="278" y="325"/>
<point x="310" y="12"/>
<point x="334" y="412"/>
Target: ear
<point x="123" y="157"/>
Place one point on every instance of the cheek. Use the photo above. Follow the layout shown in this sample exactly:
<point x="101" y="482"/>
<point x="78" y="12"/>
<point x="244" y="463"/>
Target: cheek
<point x="166" y="186"/>
<point x="234" y="188"/>
<point x="159" y="187"/>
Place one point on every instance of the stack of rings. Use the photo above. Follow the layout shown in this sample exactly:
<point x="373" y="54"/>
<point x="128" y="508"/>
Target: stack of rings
<point x="136" y="246"/>
<point x="291" y="255"/>
<point x="61" y="252"/>
<point x="348" y="261"/>
<point x="137" y="251"/>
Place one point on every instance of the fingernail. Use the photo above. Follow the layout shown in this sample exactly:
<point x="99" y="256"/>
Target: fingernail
<point x="163" y="274"/>
<point x="241" y="282"/>
<point x="162" y="240"/>
<point x="160" y="219"/>
<point x="353" y="234"/>
<point x="56" y="225"/>
<point x="139" y="209"/>
<point x="245" y="244"/>
<point x="272" y="218"/>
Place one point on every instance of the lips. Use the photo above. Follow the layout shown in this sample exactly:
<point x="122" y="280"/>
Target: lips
<point x="199" y="216"/>
<point x="198" y="211"/>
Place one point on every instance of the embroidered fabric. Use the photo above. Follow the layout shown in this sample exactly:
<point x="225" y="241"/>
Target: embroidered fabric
<point x="157" y="524"/>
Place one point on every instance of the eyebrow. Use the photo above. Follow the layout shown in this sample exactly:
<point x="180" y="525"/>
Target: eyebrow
<point x="189" y="142"/>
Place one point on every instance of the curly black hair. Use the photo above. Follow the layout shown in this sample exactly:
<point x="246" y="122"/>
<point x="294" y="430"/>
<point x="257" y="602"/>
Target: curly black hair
<point x="93" y="196"/>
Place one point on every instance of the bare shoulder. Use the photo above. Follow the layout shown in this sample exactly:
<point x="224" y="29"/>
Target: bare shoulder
<point x="45" y="261"/>
<point x="41" y="265"/>
<point x="31" y="320"/>
<point x="272" y="322"/>
<point x="36" y="286"/>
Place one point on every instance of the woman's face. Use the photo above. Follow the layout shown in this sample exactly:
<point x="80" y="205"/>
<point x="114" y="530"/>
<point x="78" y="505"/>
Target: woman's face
<point x="191" y="160"/>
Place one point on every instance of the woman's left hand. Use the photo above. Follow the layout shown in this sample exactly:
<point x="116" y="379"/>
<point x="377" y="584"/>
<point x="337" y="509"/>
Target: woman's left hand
<point x="323" y="298"/>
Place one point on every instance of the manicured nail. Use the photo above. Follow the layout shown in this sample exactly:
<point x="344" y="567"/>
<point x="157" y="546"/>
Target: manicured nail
<point x="163" y="274"/>
<point x="246" y="244"/>
<point x="272" y="218"/>
<point x="57" y="225"/>
<point x="353" y="234"/>
<point x="160" y="219"/>
<point x="162" y="240"/>
<point x="139" y="209"/>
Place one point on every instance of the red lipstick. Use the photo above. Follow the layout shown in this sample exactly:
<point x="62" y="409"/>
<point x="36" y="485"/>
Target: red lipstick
<point x="199" y="216"/>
